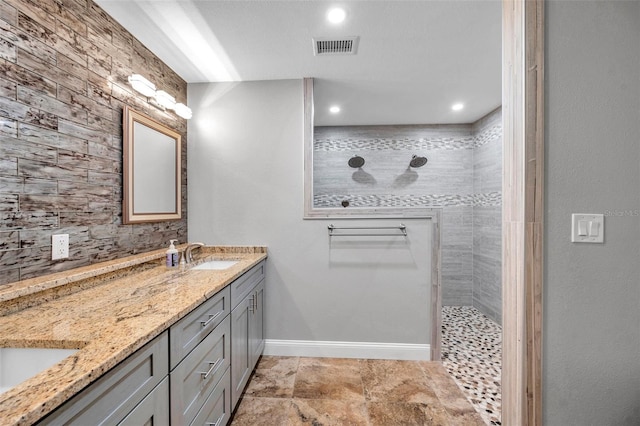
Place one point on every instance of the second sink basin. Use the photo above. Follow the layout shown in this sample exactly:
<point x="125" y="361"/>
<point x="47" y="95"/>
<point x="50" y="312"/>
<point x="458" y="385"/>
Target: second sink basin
<point x="216" y="264"/>
<point x="19" y="364"/>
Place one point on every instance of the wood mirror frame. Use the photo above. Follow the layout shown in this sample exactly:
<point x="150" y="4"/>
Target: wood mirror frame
<point x="154" y="174"/>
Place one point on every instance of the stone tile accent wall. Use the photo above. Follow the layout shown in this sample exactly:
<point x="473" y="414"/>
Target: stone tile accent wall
<point x="487" y="219"/>
<point x="63" y="84"/>
<point x="448" y="181"/>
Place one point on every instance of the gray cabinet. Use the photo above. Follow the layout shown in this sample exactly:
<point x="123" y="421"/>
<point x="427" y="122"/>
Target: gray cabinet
<point x="187" y="333"/>
<point x="195" y="377"/>
<point x="118" y="392"/>
<point x="216" y="410"/>
<point x="256" y="326"/>
<point x="247" y="332"/>
<point x="153" y="410"/>
<point x="240" y="359"/>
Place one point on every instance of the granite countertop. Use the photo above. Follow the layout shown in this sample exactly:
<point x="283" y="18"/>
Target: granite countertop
<point x="108" y="311"/>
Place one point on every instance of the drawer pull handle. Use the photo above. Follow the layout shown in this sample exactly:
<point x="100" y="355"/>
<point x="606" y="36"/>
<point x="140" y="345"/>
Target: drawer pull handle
<point x="213" y="367"/>
<point x="252" y="305"/>
<point x="216" y="423"/>
<point x="211" y="318"/>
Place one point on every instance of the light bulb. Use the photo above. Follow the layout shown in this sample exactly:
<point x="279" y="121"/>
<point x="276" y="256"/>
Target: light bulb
<point x="142" y="85"/>
<point x="183" y="111"/>
<point x="165" y="100"/>
<point x="336" y="15"/>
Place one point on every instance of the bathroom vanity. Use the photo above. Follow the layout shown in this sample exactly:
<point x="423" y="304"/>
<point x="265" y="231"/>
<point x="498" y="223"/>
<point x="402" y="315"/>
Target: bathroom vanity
<point x="154" y="345"/>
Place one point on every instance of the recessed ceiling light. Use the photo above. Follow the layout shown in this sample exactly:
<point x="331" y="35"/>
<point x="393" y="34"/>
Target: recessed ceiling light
<point x="457" y="107"/>
<point x="336" y="15"/>
<point x="334" y="109"/>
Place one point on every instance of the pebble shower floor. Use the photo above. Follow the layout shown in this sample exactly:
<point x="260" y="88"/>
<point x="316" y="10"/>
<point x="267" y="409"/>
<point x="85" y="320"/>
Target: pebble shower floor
<point x="472" y="354"/>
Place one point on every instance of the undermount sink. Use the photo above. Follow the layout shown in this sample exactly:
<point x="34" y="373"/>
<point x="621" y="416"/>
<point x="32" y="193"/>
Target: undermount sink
<point x="20" y="364"/>
<point x="216" y="264"/>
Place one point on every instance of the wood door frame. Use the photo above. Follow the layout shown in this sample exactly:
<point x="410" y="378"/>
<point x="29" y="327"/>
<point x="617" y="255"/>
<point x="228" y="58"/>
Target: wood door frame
<point x="522" y="210"/>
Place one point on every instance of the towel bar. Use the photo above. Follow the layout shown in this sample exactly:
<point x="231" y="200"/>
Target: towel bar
<point x="402" y="228"/>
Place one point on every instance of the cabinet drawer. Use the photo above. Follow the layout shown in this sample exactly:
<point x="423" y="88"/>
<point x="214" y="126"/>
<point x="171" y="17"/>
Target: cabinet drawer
<point x="195" y="377"/>
<point x="216" y="410"/>
<point x="116" y="394"/>
<point x="190" y="330"/>
<point x="153" y="410"/>
<point x="241" y="287"/>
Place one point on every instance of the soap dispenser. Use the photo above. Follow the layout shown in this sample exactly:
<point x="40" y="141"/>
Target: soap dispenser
<point x="172" y="255"/>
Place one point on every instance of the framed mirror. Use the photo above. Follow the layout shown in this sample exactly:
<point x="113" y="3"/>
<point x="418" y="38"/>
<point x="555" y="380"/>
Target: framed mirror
<point x="151" y="167"/>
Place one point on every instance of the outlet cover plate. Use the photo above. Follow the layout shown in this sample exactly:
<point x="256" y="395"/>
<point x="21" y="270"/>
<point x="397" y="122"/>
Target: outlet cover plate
<point x="59" y="246"/>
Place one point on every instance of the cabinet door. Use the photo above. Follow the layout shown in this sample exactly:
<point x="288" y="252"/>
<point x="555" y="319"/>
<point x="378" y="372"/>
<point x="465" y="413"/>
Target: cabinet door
<point x="243" y="286"/>
<point x="256" y="327"/>
<point x="118" y="392"/>
<point x="153" y="410"/>
<point x="187" y="333"/>
<point x="197" y="375"/>
<point x="216" y="411"/>
<point x="240" y="353"/>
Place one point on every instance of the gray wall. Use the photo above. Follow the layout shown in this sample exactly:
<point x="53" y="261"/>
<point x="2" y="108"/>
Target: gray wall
<point x="487" y="218"/>
<point x="591" y="352"/>
<point x="62" y="89"/>
<point x="246" y="187"/>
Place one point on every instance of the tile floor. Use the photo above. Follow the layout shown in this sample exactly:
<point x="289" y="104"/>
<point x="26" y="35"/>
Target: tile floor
<point x="472" y="354"/>
<point x="335" y="391"/>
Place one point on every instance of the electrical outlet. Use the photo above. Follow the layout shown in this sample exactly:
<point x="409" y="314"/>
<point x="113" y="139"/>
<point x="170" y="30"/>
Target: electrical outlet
<point x="59" y="246"/>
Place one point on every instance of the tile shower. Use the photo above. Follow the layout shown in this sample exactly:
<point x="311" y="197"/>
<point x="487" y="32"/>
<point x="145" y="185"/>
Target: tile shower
<point x="463" y="177"/>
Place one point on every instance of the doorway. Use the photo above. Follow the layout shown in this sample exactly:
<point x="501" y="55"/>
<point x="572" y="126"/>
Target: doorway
<point x="523" y="212"/>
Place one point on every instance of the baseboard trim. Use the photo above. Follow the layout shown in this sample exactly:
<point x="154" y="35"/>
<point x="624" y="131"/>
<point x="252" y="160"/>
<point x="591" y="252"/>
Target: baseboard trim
<point x="364" y="350"/>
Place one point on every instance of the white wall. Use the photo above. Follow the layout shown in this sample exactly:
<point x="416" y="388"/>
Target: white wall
<point x="245" y="154"/>
<point x="591" y="354"/>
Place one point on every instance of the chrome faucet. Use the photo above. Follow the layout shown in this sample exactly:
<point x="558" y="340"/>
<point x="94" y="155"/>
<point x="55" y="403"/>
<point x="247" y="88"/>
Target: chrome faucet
<point x="187" y="256"/>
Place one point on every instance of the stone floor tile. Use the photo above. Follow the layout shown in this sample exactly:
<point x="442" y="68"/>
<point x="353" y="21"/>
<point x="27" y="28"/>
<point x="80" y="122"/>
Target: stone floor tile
<point x="406" y="414"/>
<point x="327" y="412"/>
<point x="396" y="381"/>
<point x="274" y="377"/>
<point x="329" y="378"/>
<point x="262" y="411"/>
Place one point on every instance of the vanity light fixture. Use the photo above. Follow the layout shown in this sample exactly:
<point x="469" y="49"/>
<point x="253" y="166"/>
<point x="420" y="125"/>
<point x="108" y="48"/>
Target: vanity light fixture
<point x="183" y="111"/>
<point x="142" y="85"/>
<point x="165" y="100"/>
<point x="162" y="98"/>
<point x="334" y="109"/>
<point x="457" y="107"/>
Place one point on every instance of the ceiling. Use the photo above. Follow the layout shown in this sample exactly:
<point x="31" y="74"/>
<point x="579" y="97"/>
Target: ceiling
<point x="414" y="59"/>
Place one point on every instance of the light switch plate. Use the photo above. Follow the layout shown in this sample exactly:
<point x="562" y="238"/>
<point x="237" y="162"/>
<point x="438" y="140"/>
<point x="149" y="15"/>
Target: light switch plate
<point x="594" y="228"/>
<point x="59" y="246"/>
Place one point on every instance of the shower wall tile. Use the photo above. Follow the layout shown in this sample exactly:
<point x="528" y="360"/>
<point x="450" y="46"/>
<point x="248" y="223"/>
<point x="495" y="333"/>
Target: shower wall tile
<point x="487" y="286"/>
<point x="457" y="255"/>
<point x="386" y="180"/>
<point x="463" y="174"/>
<point x="487" y="218"/>
<point x="388" y="172"/>
<point x="63" y="86"/>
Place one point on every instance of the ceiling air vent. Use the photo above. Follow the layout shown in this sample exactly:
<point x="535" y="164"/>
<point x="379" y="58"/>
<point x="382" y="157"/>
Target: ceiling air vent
<point x="328" y="46"/>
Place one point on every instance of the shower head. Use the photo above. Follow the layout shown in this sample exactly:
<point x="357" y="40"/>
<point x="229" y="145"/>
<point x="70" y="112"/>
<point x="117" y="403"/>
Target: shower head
<point x="356" y="162"/>
<point x="417" y="161"/>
